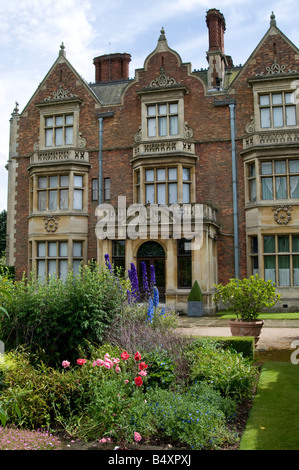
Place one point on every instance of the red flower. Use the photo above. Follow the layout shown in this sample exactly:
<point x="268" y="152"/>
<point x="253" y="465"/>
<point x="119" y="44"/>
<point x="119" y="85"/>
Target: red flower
<point x="142" y="366"/>
<point x="137" y="356"/>
<point x="124" y="355"/>
<point x="80" y="362"/>
<point x="138" y="381"/>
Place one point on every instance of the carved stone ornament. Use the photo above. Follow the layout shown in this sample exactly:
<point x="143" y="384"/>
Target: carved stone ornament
<point x="276" y="69"/>
<point x="60" y="94"/>
<point x="81" y="141"/>
<point x="282" y="214"/>
<point x="250" y="126"/>
<point x="51" y="223"/>
<point x="137" y="136"/>
<point x="163" y="80"/>
<point x="188" y="131"/>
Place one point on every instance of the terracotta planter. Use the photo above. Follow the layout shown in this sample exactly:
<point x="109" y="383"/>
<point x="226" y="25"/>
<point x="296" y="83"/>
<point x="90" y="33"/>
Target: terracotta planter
<point x="246" y="328"/>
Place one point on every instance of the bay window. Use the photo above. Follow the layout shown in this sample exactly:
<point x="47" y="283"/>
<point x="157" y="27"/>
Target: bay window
<point x="277" y="110"/>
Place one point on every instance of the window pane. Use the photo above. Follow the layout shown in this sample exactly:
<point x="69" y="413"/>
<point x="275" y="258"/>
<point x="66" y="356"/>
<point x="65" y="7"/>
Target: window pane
<point x="186" y="174"/>
<point x="76" y="266"/>
<point x="64" y="199"/>
<point x="52" y="267"/>
<point x="267" y="188"/>
<point x="280" y="167"/>
<point x="291" y="116"/>
<point x="281" y="187"/>
<point x="58" y="136"/>
<point x="52" y="249"/>
<point x="270" y="273"/>
<point x="294" y="186"/>
<point x="42" y="200"/>
<point x="283" y="243"/>
<point x="77" y="249"/>
<point x="264" y="100"/>
<point x="151" y="127"/>
<point x="252" y="170"/>
<point x="269" y="244"/>
<point x="254" y="244"/>
<point x="41" y="249"/>
<point x="149" y="175"/>
<point x="266" y="168"/>
<point x="296" y="270"/>
<point x="172" y="174"/>
<point x="69" y="119"/>
<point x="284" y="270"/>
<point x="252" y="190"/>
<point x="265" y="117"/>
<point x="186" y="193"/>
<point x="296" y="243"/>
<point x="172" y="193"/>
<point x="173" y="125"/>
<point x="78" y="181"/>
<point x="173" y="108"/>
<point x="53" y="182"/>
<point x="162" y="126"/>
<point x="64" y="181"/>
<point x="52" y="200"/>
<point x="41" y="269"/>
<point x="63" y="269"/>
<point x="161" y="193"/>
<point x="162" y="109"/>
<point x="278" y="117"/>
<point x="277" y="98"/>
<point x="59" y="120"/>
<point x="78" y="199"/>
<point x="118" y="247"/>
<point x="149" y="194"/>
<point x="68" y="135"/>
<point x="49" y="122"/>
<point x="151" y="110"/>
<point x="42" y="183"/>
<point x="63" y="249"/>
<point x="49" y="137"/>
<point x="294" y="166"/>
<point x="161" y="174"/>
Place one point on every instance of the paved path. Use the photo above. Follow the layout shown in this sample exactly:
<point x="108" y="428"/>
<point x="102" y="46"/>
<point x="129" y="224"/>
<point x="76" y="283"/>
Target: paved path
<point x="276" y="334"/>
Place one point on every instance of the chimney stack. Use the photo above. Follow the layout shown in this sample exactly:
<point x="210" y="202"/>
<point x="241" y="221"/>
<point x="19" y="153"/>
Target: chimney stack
<point x="215" y="55"/>
<point x="112" y="67"/>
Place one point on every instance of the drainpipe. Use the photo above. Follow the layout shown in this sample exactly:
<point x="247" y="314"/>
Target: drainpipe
<point x="101" y="117"/>
<point x="232" y="108"/>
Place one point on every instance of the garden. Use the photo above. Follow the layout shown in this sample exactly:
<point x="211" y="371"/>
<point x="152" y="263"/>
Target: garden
<point x="87" y="361"/>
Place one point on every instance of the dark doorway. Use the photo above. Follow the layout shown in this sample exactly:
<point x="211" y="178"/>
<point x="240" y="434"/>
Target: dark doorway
<point x="152" y="254"/>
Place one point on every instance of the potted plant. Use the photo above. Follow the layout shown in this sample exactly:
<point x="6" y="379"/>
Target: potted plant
<point x="246" y="298"/>
<point x="195" y="301"/>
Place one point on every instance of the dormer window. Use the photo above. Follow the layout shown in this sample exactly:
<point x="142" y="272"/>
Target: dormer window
<point x="162" y="119"/>
<point x="59" y="130"/>
<point x="277" y="110"/>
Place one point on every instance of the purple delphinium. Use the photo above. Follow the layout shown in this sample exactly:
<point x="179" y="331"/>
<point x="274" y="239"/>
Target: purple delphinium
<point x="155" y="297"/>
<point x="134" y="282"/>
<point x="107" y="262"/>
<point x="152" y="277"/>
<point x="144" y="279"/>
<point x="150" y="311"/>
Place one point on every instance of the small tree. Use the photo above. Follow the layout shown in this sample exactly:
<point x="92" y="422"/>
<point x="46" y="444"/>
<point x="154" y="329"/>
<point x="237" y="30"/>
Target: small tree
<point x="247" y="297"/>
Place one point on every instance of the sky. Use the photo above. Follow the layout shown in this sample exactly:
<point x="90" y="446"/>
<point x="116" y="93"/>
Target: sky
<point x="31" y="32"/>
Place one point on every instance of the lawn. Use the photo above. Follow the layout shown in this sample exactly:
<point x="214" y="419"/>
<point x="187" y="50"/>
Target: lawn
<point x="265" y="316"/>
<point x="273" y="422"/>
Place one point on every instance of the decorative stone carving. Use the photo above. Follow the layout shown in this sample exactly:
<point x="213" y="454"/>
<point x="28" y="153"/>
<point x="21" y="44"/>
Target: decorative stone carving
<point x="81" y="141"/>
<point x="51" y="223"/>
<point x="188" y="131"/>
<point x="137" y="136"/>
<point x="163" y="80"/>
<point x="60" y="94"/>
<point x="282" y="214"/>
<point x="276" y="69"/>
<point x="250" y="126"/>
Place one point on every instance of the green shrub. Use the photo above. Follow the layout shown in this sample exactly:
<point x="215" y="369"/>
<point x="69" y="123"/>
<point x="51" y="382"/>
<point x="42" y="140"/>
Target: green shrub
<point x="195" y="294"/>
<point x="57" y="317"/>
<point x="161" y="368"/>
<point x="226" y="370"/>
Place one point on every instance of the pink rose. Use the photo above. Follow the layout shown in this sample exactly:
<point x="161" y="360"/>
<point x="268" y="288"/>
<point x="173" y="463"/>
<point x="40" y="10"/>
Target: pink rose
<point x="115" y="360"/>
<point x="65" y="364"/>
<point x="137" y="437"/>
<point x="143" y="373"/>
<point x="80" y="362"/>
<point x="100" y="362"/>
<point x="126" y="381"/>
<point x="117" y="369"/>
<point x="108" y="365"/>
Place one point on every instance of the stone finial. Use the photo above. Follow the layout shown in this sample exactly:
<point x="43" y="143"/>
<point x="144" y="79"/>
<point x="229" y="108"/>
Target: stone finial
<point x="16" y="109"/>
<point x="272" y="19"/>
<point x="162" y="35"/>
<point x="62" y="49"/>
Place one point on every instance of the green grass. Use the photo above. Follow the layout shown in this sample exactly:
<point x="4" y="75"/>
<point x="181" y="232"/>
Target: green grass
<point x="265" y="316"/>
<point x="273" y="422"/>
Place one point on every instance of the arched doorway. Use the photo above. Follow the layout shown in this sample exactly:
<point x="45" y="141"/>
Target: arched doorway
<point x="152" y="254"/>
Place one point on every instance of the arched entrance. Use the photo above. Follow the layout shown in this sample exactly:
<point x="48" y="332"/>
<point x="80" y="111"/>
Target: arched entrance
<point x="152" y="254"/>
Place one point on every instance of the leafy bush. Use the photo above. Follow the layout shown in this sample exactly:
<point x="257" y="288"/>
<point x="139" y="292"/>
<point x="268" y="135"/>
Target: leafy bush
<point x="226" y="370"/>
<point x="248" y="296"/>
<point x="58" y="317"/>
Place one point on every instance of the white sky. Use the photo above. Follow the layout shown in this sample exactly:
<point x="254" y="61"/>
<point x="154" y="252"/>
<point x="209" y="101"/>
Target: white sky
<point x="31" y="32"/>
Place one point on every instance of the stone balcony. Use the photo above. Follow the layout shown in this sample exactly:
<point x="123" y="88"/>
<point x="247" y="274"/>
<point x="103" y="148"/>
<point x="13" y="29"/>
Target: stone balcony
<point x="164" y="147"/>
<point x="263" y="139"/>
<point x="59" y="156"/>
